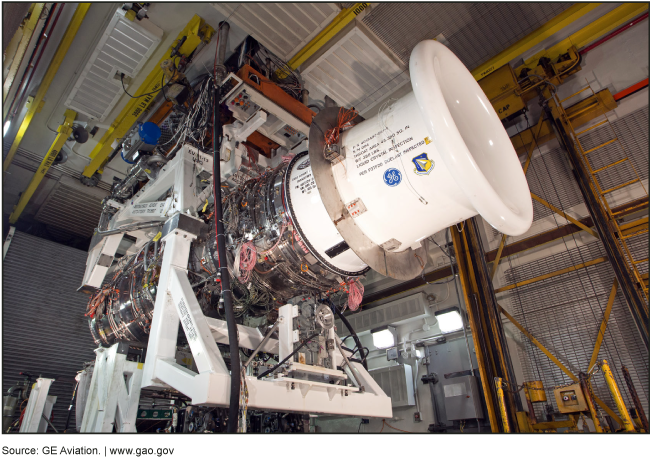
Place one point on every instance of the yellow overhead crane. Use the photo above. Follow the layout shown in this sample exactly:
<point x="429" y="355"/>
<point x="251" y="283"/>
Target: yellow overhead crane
<point x="196" y="31"/>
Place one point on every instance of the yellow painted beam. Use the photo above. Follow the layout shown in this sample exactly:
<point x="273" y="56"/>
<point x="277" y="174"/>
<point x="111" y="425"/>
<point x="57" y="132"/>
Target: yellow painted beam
<point x="618" y="398"/>
<point x="346" y="16"/>
<point x="536" y="342"/>
<point x="27" y="31"/>
<point x="596" y="29"/>
<point x="533" y="39"/>
<point x="498" y="382"/>
<point x="557" y="362"/>
<point x="603" y="326"/>
<point x="65" y="130"/>
<point x="563" y="214"/>
<point x="60" y="53"/>
<point x="551" y="275"/>
<point x="195" y="31"/>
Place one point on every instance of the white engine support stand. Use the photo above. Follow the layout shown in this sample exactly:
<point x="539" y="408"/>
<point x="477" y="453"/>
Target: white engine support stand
<point x="114" y="393"/>
<point x="39" y="406"/>
<point x="176" y="302"/>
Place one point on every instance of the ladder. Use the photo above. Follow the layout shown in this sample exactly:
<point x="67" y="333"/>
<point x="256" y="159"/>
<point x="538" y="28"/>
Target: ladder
<point x="625" y="232"/>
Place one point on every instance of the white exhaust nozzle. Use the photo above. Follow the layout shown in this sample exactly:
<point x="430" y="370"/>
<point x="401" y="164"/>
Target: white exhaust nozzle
<point x="434" y="158"/>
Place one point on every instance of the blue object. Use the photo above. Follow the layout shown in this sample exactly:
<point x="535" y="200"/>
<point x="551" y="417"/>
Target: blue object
<point x="122" y="155"/>
<point x="149" y="133"/>
<point x="392" y="177"/>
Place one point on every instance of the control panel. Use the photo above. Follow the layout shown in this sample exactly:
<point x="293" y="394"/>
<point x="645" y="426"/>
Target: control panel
<point x="570" y="399"/>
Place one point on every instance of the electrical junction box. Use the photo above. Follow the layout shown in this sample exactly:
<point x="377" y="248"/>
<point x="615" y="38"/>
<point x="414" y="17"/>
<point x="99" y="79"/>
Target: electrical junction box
<point x="570" y="399"/>
<point x="462" y="398"/>
<point x="392" y="354"/>
<point x="397" y="383"/>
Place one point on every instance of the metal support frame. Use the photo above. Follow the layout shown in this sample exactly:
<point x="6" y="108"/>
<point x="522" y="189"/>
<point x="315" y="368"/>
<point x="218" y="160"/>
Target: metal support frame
<point x="603" y="326"/>
<point x="39" y="407"/>
<point x="618" y="398"/>
<point x="633" y="297"/>
<point x="564" y="214"/>
<point x="61" y="51"/>
<point x="493" y="358"/>
<point x="552" y="274"/>
<point x="635" y="398"/>
<point x="176" y="304"/>
<point x="65" y="131"/>
<point x="498" y="383"/>
<point x="589" y="397"/>
<point x="114" y="392"/>
<point x="194" y="33"/>
<point x="533" y="39"/>
<point x="558" y="363"/>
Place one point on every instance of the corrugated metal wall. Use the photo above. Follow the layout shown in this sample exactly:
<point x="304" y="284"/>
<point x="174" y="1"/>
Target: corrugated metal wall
<point x="44" y="330"/>
<point x="564" y="313"/>
<point x="476" y="32"/>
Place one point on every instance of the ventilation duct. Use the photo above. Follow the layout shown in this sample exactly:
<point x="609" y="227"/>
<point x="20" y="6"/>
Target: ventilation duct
<point x="407" y="308"/>
<point x="355" y="72"/>
<point x="124" y="47"/>
<point x="284" y="28"/>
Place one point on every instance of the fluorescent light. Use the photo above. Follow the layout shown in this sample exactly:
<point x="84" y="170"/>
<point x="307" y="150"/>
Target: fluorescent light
<point x="449" y="319"/>
<point x="6" y="128"/>
<point x="383" y="338"/>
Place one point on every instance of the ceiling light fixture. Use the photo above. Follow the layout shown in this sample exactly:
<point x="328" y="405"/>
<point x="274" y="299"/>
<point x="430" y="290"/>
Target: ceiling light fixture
<point x="383" y="337"/>
<point x="449" y="319"/>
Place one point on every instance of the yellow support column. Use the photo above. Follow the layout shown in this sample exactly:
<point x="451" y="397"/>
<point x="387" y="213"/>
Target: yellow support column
<point x="618" y="398"/>
<point x="65" y="130"/>
<point x="498" y="382"/>
<point x="61" y="51"/>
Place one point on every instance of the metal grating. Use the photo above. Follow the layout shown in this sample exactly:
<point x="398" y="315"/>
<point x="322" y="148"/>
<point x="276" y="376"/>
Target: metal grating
<point x="44" y="331"/>
<point x="564" y="314"/>
<point x="476" y="32"/>
<point x="284" y="28"/>
<point x="355" y="72"/>
<point x="63" y="168"/>
<point x="549" y="176"/>
<point x="124" y="47"/>
<point x="397" y="383"/>
<point x="68" y="208"/>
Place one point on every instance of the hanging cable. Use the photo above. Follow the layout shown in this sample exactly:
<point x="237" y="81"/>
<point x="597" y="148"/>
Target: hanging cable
<point x="226" y="293"/>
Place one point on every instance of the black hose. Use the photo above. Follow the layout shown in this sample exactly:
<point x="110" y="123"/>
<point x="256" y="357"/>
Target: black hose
<point x="304" y="342"/>
<point x="226" y="294"/>
<point x="354" y="336"/>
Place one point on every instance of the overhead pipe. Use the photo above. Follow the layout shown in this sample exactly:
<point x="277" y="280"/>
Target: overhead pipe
<point x="61" y="51"/>
<point x="19" y="97"/>
<point x="632" y="23"/>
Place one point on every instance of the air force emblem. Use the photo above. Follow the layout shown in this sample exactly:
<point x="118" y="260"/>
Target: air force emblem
<point x="423" y="165"/>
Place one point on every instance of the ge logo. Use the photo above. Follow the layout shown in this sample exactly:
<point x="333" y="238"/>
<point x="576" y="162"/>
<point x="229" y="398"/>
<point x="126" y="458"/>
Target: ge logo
<point x="392" y="177"/>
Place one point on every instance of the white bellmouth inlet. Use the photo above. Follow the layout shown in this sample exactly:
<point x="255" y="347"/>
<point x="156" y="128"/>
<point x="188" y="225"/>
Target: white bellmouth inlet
<point x="437" y="156"/>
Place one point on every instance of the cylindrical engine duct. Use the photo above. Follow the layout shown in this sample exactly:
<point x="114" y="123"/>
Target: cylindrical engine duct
<point x="434" y="158"/>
